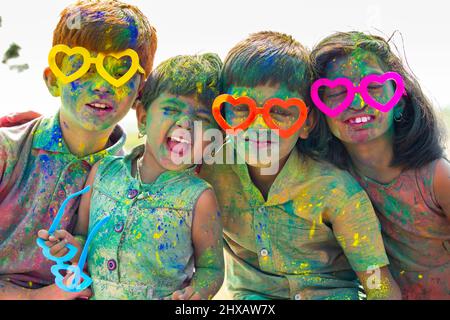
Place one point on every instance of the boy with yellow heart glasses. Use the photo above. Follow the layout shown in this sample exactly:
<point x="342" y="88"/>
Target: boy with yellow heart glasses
<point x="44" y="160"/>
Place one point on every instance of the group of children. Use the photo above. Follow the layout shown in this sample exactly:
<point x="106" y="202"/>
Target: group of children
<point x="358" y="208"/>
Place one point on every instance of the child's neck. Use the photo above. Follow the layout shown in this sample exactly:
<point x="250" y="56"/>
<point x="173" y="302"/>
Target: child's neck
<point x="82" y="142"/>
<point x="263" y="181"/>
<point x="373" y="159"/>
<point x="149" y="168"/>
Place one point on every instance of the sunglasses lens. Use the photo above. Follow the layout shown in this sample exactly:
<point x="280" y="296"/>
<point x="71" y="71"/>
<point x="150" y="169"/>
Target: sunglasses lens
<point x="235" y="115"/>
<point x="333" y="97"/>
<point x="117" y="68"/>
<point x="70" y="65"/>
<point x="284" y="118"/>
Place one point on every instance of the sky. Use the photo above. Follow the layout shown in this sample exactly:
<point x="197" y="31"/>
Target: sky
<point x="199" y="26"/>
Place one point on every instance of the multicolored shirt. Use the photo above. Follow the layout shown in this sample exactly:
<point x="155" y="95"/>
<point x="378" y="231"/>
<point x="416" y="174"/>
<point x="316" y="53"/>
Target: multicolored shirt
<point x="38" y="172"/>
<point x="145" y="251"/>
<point x="416" y="232"/>
<point x="316" y="228"/>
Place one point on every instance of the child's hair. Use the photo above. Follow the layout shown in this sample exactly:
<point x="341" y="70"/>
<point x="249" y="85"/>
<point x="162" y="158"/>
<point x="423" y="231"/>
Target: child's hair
<point x="107" y="26"/>
<point x="271" y="58"/>
<point x="185" y="75"/>
<point x="417" y="135"/>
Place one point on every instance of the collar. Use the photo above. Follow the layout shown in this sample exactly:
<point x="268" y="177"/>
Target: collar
<point x="48" y="136"/>
<point x="285" y="186"/>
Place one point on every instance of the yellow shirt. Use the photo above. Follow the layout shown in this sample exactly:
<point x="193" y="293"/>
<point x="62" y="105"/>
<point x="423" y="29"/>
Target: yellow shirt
<point x="316" y="228"/>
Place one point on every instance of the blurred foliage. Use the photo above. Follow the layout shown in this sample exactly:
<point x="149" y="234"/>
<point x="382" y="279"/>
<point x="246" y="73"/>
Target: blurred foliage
<point x="13" y="52"/>
<point x="132" y="139"/>
<point x="444" y="116"/>
<point x="20" y="67"/>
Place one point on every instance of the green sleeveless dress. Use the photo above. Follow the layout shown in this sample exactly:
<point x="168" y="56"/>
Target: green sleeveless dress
<point x="145" y="251"/>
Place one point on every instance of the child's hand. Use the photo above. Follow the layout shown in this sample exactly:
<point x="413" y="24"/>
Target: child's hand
<point x="58" y="241"/>
<point x="187" y="293"/>
<point x="52" y="292"/>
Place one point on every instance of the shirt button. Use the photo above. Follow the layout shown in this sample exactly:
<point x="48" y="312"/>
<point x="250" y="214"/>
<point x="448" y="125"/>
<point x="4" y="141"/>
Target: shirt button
<point x="132" y="194"/>
<point x="119" y="227"/>
<point x="298" y="296"/>
<point x="264" y="252"/>
<point x="112" y="265"/>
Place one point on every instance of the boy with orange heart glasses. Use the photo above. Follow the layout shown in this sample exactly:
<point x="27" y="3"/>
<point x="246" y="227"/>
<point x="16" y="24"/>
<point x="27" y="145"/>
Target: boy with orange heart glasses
<point x="308" y="231"/>
<point x="47" y="159"/>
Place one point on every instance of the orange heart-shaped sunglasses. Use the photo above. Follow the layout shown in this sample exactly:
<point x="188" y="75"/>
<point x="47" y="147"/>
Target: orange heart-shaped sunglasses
<point x="254" y="111"/>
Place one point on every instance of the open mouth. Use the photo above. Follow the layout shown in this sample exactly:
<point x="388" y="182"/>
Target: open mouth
<point x="101" y="108"/>
<point x="178" y="145"/>
<point x="360" y="120"/>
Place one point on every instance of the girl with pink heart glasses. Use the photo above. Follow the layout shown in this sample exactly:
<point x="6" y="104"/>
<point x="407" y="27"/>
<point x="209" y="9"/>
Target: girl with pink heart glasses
<point x="383" y="129"/>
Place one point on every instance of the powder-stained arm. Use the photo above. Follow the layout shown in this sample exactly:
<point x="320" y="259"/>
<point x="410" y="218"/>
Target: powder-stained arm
<point x="441" y="185"/>
<point x="357" y="230"/>
<point x="208" y="249"/>
<point x="10" y="291"/>
<point x="379" y="284"/>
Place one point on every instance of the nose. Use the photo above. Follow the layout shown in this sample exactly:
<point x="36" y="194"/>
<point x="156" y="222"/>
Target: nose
<point x="185" y="122"/>
<point x="358" y="102"/>
<point x="259" y="123"/>
<point x="101" y="87"/>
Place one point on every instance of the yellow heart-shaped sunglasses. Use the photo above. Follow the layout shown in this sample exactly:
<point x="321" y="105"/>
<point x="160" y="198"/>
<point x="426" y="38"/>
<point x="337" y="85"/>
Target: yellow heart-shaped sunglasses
<point x="98" y="61"/>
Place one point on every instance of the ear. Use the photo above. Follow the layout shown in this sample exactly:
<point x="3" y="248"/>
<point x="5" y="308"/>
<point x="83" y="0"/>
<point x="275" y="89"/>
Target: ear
<point x="398" y="110"/>
<point x="140" y="91"/>
<point x="142" y="84"/>
<point x="52" y="83"/>
<point x="141" y="115"/>
<point x="309" y="125"/>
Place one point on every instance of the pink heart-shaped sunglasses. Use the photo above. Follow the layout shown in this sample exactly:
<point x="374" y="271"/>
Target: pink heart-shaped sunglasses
<point x="362" y="89"/>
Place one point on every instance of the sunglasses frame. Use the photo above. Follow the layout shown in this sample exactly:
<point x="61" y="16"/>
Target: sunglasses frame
<point x="88" y="61"/>
<point x="362" y="89"/>
<point x="264" y="111"/>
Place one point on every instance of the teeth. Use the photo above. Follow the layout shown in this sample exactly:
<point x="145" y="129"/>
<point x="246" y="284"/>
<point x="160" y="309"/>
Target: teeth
<point x="99" y="105"/>
<point x="361" y="120"/>
<point x="180" y="140"/>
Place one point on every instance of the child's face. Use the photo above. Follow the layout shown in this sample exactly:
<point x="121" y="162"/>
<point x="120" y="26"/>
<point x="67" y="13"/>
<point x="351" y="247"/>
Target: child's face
<point x="283" y="117"/>
<point x="346" y="127"/>
<point x="91" y="102"/>
<point x="170" y="121"/>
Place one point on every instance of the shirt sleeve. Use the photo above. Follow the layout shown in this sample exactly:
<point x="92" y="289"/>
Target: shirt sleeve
<point x="357" y="229"/>
<point x="5" y="156"/>
<point x="11" y="144"/>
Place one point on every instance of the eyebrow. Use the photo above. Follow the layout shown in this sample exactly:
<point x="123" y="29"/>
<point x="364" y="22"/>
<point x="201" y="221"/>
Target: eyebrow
<point x="176" y="102"/>
<point x="204" y="111"/>
<point x="183" y="105"/>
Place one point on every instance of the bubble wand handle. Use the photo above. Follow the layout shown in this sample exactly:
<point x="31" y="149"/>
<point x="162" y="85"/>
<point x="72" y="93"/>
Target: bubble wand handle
<point x="92" y="234"/>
